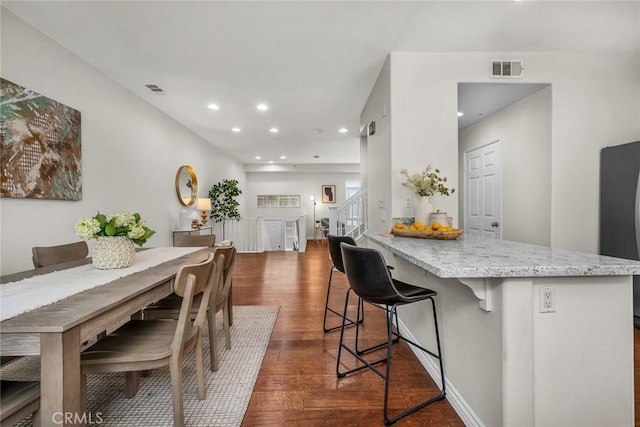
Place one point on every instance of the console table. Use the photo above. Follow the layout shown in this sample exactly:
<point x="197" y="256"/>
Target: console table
<point x="208" y="230"/>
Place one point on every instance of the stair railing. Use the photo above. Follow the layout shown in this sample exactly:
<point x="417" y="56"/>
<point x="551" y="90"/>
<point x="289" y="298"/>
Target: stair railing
<point x="350" y="218"/>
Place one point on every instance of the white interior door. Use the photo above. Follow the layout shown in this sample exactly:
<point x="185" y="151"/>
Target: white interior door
<point x="483" y="191"/>
<point x="273" y="233"/>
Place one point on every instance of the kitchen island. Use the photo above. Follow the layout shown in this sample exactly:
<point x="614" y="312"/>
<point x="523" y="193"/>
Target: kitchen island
<point x="532" y="336"/>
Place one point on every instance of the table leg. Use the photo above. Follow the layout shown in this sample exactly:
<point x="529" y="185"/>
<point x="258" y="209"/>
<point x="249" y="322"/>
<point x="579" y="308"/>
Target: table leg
<point x="61" y="400"/>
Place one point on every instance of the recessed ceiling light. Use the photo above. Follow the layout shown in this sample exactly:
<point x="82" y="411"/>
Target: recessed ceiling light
<point x="235" y="129"/>
<point x="274" y="130"/>
<point x="343" y="130"/>
<point x="460" y="114"/>
<point x="270" y="161"/>
<point x="317" y="130"/>
<point x="316" y="157"/>
<point x="262" y="107"/>
<point x="258" y="157"/>
<point x="213" y="107"/>
<point x="283" y="157"/>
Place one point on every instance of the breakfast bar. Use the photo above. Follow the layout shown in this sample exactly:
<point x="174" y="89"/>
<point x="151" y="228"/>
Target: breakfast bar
<point x="532" y="335"/>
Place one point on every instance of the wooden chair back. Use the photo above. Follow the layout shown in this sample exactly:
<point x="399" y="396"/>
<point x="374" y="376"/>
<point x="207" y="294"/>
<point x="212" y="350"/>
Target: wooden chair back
<point x="229" y="253"/>
<point x="186" y="240"/>
<point x="49" y="255"/>
<point x="201" y="272"/>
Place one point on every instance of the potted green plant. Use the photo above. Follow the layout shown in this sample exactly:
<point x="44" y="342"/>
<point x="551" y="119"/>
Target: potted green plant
<point x="224" y="205"/>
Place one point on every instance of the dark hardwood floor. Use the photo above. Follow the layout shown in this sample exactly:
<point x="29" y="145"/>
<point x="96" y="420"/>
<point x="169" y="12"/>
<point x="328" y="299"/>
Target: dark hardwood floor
<point x="297" y="384"/>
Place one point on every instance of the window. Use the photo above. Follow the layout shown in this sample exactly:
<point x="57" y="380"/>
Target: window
<point x="351" y="187"/>
<point x="278" y="201"/>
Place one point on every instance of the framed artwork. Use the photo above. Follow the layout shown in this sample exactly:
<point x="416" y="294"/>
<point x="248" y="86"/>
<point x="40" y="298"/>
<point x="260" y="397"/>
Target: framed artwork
<point x="39" y="146"/>
<point x="328" y="194"/>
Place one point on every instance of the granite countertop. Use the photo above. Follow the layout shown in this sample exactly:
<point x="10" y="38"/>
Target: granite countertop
<point x="469" y="257"/>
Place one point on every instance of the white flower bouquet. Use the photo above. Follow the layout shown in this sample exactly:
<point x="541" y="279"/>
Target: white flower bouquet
<point x="125" y="224"/>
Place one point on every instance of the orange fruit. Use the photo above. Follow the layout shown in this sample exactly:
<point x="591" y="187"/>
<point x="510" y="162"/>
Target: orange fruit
<point x="435" y="225"/>
<point x="398" y="225"/>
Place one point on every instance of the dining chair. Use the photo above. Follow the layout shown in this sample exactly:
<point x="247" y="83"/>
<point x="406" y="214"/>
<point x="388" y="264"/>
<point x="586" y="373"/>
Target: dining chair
<point x="148" y="344"/>
<point x="187" y="240"/>
<point x="169" y="308"/>
<point x="336" y="258"/>
<point x="19" y="399"/>
<point x="370" y="279"/>
<point x="48" y="255"/>
<point x="335" y="253"/>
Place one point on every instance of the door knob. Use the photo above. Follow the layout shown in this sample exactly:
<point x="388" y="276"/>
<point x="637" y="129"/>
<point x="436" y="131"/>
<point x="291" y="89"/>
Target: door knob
<point x="494" y="224"/>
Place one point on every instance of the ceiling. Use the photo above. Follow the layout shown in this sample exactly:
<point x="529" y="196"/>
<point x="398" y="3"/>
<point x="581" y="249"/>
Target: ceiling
<point x="313" y="63"/>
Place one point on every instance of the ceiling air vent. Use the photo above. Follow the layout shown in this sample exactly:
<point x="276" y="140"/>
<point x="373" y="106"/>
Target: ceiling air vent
<point x="508" y="69"/>
<point x="154" y="88"/>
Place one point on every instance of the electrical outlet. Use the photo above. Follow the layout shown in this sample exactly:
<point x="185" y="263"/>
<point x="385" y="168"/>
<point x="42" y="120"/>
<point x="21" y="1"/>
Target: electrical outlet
<point x="547" y="300"/>
<point x="407" y="202"/>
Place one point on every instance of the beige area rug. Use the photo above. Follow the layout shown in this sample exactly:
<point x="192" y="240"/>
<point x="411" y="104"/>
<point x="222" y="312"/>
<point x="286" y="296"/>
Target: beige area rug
<point x="228" y="390"/>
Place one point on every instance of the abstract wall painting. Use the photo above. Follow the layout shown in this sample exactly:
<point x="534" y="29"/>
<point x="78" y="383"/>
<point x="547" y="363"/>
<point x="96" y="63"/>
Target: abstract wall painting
<point x="328" y="194"/>
<point x="40" y="154"/>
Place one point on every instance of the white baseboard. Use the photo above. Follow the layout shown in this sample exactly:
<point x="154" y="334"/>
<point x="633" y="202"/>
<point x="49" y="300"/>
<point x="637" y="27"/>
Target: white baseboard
<point x="464" y="411"/>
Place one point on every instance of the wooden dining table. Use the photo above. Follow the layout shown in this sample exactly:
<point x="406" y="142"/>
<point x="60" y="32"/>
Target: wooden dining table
<point x="56" y="331"/>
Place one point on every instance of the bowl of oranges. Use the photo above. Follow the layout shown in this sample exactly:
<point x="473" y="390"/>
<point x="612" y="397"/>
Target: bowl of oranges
<point x="433" y="231"/>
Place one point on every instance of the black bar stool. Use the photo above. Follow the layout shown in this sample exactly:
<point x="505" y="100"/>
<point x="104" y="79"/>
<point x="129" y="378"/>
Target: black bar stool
<point x="371" y="281"/>
<point x="336" y="258"/>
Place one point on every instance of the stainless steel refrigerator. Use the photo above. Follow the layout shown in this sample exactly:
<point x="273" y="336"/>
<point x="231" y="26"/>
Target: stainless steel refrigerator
<point x="620" y="208"/>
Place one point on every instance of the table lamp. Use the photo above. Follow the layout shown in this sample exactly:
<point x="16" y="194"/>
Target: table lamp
<point x="204" y="205"/>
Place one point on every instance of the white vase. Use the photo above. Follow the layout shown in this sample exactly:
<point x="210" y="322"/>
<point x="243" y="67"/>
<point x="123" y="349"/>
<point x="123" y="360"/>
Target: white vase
<point x="423" y="210"/>
<point x="113" y="252"/>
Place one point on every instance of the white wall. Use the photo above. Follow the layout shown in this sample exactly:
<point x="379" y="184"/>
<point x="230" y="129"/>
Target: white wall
<point x="595" y="103"/>
<point x="303" y="184"/>
<point x="524" y="129"/>
<point x="130" y="150"/>
<point x="377" y="154"/>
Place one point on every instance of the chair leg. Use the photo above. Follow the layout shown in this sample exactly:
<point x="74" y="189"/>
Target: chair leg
<point x="383" y="344"/>
<point x="213" y="347"/>
<point x="227" y="327"/>
<point x="359" y="318"/>
<point x="389" y="350"/>
<point x="342" y="345"/>
<point x="392" y="337"/>
<point x="131" y="387"/>
<point x="435" y="326"/>
<point x="389" y="421"/>
<point x="199" y="368"/>
<point x="213" y="342"/>
<point x="175" y="368"/>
